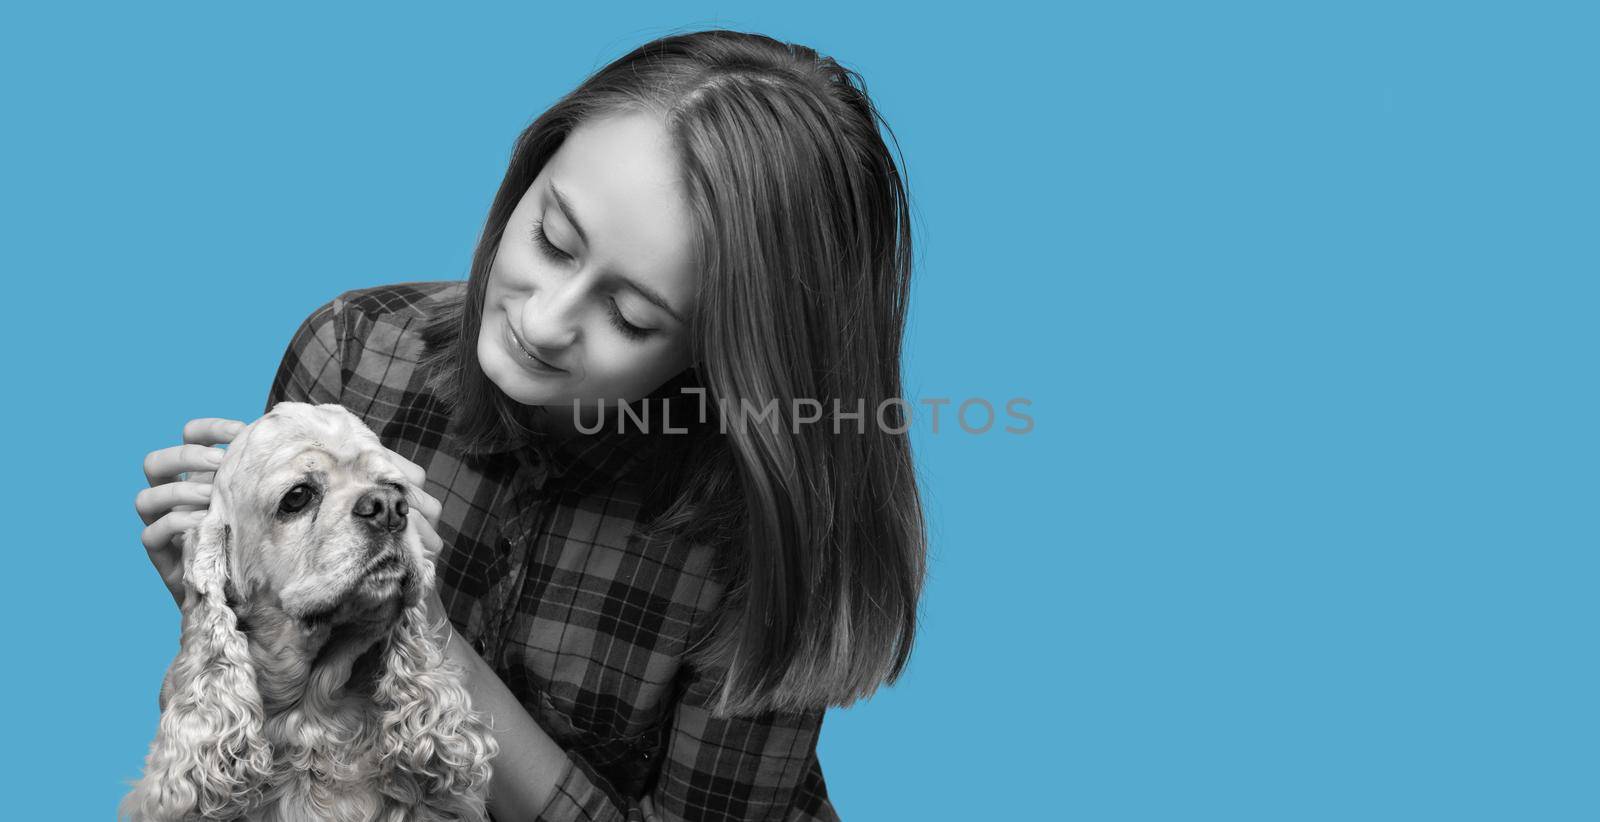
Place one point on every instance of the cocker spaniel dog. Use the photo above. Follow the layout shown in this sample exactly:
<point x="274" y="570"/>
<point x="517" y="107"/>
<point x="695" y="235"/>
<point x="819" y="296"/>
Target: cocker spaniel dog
<point x="307" y="685"/>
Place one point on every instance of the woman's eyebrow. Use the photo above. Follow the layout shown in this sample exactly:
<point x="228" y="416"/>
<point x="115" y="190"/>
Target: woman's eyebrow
<point x="644" y="291"/>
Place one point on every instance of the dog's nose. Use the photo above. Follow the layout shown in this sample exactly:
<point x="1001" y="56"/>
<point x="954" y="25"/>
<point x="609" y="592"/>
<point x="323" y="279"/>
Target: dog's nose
<point x="382" y="508"/>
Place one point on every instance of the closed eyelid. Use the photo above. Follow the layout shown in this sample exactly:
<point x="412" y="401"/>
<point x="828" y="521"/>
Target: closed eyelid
<point x="545" y="223"/>
<point x="564" y="206"/>
<point x="541" y="239"/>
<point x="620" y="284"/>
<point x="629" y="315"/>
<point x="653" y="298"/>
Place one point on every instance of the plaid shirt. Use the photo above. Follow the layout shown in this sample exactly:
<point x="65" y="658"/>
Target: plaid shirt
<point x="541" y="573"/>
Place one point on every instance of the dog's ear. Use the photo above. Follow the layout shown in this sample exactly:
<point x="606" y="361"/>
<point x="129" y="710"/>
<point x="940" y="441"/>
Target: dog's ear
<point x="433" y="749"/>
<point x="210" y="757"/>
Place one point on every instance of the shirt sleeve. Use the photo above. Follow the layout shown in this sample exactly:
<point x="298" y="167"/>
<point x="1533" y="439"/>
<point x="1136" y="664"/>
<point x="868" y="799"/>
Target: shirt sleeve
<point x="312" y="365"/>
<point x="760" y="767"/>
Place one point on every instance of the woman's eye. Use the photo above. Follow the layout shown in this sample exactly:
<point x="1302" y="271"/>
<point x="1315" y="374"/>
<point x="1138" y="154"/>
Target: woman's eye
<point x="298" y="497"/>
<point x="542" y="240"/>
<point x="621" y="324"/>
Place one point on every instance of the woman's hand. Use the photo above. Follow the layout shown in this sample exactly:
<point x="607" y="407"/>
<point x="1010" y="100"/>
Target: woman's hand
<point x="424" y="509"/>
<point x="530" y="763"/>
<point x="424" y="515"/>
<point x="172" y="505"/>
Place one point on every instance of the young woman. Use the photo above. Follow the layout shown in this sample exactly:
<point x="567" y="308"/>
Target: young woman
<point x="652" y="437"/>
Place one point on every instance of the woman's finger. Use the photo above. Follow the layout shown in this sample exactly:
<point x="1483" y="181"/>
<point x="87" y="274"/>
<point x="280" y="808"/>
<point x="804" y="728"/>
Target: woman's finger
<point x="157" y="536"/>
<point x="412" y="471"/>
<point x="430" y="538"/>
<point x="419" y="499"/>
<point x="159" y="500"/>
<point x="167" y="464"/>
<point x="211" y="430"/>
<point x="422" y="501"/>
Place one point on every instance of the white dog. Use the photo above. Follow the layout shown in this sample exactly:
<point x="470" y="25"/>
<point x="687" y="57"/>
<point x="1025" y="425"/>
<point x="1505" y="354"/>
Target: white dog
<point x="307" y="685"/>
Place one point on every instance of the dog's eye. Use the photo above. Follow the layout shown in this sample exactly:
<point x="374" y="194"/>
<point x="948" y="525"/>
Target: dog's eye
<point x="298" y="497"/>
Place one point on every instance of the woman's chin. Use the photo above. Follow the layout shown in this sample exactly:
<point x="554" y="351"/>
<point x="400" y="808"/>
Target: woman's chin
<point x="522" y="393"/>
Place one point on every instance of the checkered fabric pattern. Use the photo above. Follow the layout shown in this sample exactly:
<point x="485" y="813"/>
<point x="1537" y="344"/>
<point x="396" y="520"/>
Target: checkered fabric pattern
<point x="542" y="573"/>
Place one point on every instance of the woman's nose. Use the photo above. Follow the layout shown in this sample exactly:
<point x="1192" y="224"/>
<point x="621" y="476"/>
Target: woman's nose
<point x="549" y="318"/>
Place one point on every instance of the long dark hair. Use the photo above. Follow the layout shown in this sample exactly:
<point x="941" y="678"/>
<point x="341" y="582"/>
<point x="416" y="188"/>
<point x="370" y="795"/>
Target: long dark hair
<point x="803" y="238"/>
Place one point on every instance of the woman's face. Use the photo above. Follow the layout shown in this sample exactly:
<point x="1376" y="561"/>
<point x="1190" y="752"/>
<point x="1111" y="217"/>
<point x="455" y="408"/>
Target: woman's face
<point x="593" y="283"/>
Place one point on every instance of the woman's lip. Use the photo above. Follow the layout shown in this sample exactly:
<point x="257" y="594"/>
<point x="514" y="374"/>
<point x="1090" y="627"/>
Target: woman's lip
<point x="529" y="360"/>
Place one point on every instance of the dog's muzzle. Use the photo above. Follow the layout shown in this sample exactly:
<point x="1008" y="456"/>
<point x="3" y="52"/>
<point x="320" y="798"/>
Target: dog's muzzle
<point x="382" y="509"/>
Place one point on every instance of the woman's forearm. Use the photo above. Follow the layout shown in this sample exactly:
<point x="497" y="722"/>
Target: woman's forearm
<point x="530" y="763"/>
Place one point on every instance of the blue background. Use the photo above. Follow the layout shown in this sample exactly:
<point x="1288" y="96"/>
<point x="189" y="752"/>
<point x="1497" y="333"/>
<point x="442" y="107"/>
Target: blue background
<point x="1304" y="297"/>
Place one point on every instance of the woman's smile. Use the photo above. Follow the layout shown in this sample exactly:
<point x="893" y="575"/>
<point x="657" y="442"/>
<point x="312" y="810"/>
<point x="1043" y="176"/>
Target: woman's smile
<point x="530" y="362"/>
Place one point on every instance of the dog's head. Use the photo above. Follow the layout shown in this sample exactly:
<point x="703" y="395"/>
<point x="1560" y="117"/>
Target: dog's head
<point x="307" y="511"/>
<point x="307" y="531"/>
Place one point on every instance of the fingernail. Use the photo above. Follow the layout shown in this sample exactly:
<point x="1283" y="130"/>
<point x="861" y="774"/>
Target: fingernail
<point x="235" y="427"/>
<point x="205" y="490"/>
<point x="216" y="455"/>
